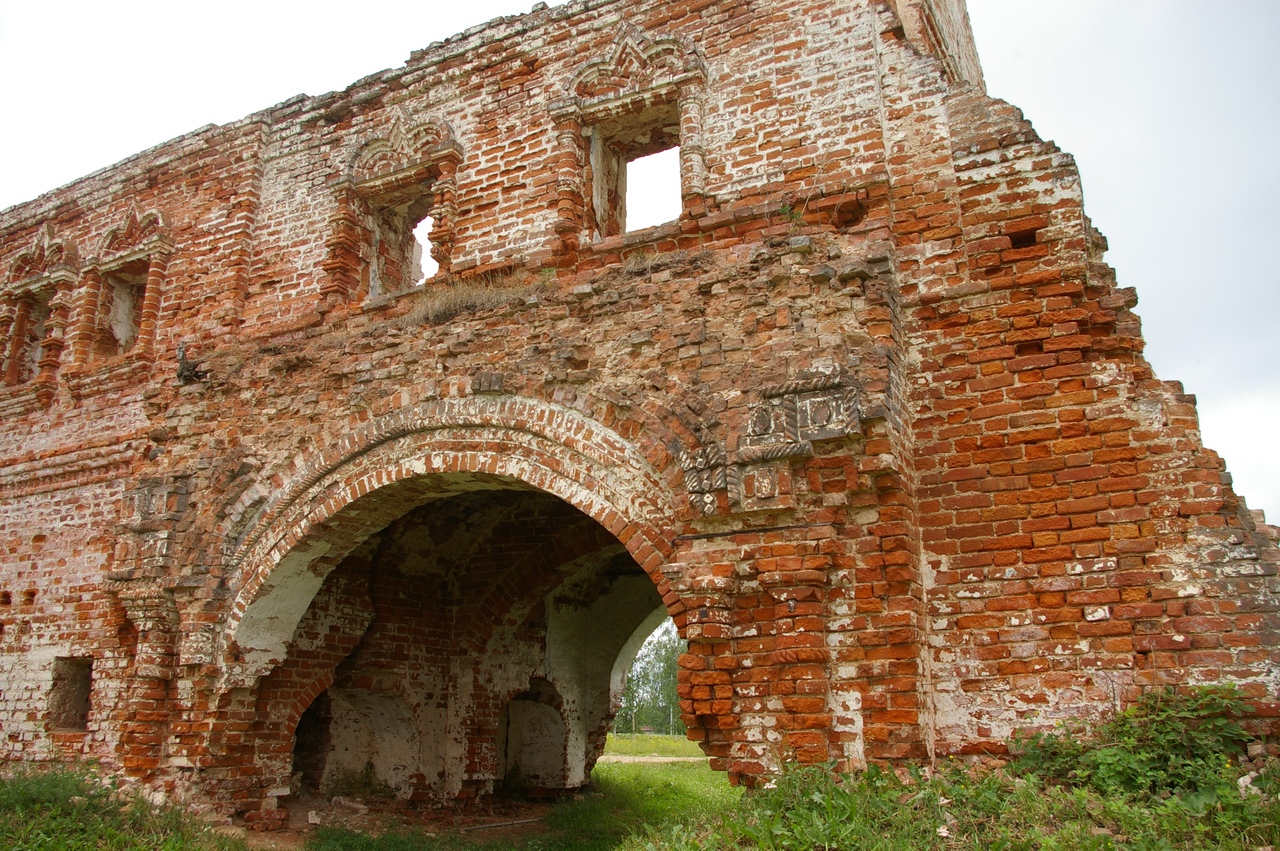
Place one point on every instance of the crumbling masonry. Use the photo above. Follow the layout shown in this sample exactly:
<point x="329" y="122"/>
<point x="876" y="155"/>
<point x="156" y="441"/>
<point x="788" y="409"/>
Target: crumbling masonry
<point x="870" y="421"/>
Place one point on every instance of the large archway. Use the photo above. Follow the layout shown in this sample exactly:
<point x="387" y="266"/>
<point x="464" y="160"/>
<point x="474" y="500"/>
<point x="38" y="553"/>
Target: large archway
<point x="468" y="644"/>
<point x="443" y="620"/>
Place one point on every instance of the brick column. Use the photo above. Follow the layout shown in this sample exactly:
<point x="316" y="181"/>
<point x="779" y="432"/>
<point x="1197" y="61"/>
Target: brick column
<point x="84" y="322"/>
<point x="444" y="212"/>
<point x="8" y="317"/>
<point x="693" y="166"/>
<point x="144" y="721"/>
<point x="342" y="261"/>
<point x="51" y="347"/>
<point x="569" y="165"/>
<point x="151" y="304"/>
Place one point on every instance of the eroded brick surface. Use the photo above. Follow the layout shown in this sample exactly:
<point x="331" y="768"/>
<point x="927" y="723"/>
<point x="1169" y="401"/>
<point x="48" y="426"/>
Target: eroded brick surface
<point x="870" y="421"/>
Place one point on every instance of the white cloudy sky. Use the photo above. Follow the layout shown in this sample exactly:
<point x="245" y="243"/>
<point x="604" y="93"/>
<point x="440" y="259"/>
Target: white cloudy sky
<point x="1171" y="107"/>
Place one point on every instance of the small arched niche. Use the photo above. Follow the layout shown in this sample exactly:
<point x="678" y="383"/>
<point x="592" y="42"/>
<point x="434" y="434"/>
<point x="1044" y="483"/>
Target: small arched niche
<point x="532" y="737"/>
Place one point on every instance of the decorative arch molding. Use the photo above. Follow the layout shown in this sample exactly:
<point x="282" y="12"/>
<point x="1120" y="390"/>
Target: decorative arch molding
<point x="391" y="181"/>
<point x="49" y="256"/>
<point x="138" y="235"/>
<point x="405" y="146"/>
<point x="635" y="62"/>
<point x="337" y="496"/>
<point x="646" y="93"/>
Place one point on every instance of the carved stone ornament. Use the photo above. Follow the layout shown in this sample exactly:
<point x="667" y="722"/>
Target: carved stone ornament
<point x="782" y="426"/>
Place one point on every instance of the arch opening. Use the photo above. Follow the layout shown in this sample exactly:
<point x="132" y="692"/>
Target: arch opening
<point x="648" y="701"/>
<point x="467" y="645"/>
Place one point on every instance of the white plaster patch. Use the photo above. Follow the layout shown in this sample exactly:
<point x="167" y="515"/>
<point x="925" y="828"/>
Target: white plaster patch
<point x="269" y="622"/>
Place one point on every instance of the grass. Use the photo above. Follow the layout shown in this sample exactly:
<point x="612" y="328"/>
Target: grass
<point x="71" y="811"/>
<point x="439" y="303"/>
<point x="648" y="744"/>
<point x="811" y="808"/>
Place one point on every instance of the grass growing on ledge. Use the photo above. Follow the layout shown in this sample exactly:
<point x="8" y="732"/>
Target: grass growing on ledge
<point x="70" y="811"/>
<point x="442" y="301"/>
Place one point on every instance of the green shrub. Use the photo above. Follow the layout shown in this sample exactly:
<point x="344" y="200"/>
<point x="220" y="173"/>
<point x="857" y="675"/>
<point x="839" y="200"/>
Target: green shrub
<point x="1168" y="742"/>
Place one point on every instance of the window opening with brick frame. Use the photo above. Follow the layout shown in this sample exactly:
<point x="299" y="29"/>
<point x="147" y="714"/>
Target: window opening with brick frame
<point x="123" y="294"/>
<point x="617" y="144"/>
<point x="29" y="330"/>
<point x="392" y="229"/>
<point x="69" y="695"/>
<point x="400" y="247"/>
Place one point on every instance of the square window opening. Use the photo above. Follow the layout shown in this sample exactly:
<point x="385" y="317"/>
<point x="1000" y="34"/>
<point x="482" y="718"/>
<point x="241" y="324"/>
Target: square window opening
<point x="621" y="147"/>
<point x="401" y="248"/>
<point x="69" y="697"/>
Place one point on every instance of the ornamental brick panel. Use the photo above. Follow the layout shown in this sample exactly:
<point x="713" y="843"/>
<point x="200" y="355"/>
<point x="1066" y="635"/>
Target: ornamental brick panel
<point x="869" y="421"/>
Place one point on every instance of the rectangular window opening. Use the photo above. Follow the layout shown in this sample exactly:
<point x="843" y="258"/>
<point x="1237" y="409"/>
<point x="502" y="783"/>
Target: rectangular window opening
<point x="400" y="249"/>
<point x="634" y="163"/>
<point x="123" y="293"/>
<point x="69" y="697"/>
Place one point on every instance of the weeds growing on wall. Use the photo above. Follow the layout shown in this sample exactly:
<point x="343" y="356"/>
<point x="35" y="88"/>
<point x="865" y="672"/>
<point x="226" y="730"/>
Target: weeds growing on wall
<point x="1167" y="742"/>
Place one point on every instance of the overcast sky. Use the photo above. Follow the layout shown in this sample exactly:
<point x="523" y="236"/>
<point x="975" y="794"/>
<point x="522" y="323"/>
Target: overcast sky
<point x="1172" y="110"/>
<point x="1171" y="107"/>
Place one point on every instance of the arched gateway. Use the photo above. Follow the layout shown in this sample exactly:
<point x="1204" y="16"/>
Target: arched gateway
<point x="870" y="421"/>
<point x="454" y="584"/>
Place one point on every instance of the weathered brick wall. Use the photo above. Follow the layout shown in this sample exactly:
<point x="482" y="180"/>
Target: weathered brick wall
<point x="870" y="418"/>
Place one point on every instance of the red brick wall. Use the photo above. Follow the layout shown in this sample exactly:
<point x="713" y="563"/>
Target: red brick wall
<point x="872" y="415"/>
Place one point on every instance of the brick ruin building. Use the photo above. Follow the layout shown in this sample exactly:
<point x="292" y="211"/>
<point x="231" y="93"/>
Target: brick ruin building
<point x="870" y="421"/>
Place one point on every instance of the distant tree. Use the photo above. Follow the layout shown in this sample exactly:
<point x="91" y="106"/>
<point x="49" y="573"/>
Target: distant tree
<point x="649" y="698"/>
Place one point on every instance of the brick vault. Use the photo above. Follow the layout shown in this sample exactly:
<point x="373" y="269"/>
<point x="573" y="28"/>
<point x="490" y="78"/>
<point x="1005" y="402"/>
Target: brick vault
<point x="870" y="421"/>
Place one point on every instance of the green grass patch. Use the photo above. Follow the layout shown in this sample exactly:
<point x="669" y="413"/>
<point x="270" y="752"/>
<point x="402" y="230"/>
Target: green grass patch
<point x="625" y="799"/>
<point x="1159" y="776"/>
<point x="70" y="811"/>
<point x="811" y="808"/>
<point x="648" y="744"/>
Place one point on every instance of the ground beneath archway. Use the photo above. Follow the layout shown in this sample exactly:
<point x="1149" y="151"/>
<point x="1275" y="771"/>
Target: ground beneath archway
<point x="496" y="819"/>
